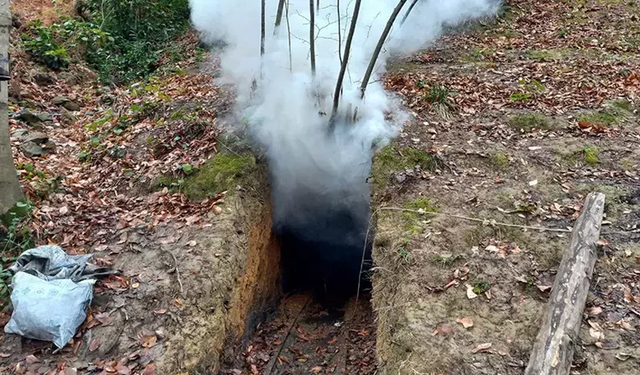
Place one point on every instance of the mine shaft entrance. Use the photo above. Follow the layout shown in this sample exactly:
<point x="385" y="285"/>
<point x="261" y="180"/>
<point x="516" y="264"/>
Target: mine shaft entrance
<point x="323" y="323"/>
<point x="328" y="254"/>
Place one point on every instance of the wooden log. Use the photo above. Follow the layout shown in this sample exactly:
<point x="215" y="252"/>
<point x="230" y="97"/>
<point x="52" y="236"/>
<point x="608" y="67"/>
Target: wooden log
<point x="554" y="347"/>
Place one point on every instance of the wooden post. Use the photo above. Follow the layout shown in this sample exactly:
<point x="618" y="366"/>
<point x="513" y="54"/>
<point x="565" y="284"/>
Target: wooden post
<point x="553" y="350"/>
<point x="10" y="191"/>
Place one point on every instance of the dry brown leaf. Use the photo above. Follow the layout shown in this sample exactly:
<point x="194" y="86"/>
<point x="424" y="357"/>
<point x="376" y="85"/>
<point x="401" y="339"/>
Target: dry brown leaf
<point x="466" y="322"/>
<point x="94" y="345"/>
<point x="316" y="370"/>
<point x="482" y="348"/>
<point x="149" y="341"/>
<point x="470" y="293"/>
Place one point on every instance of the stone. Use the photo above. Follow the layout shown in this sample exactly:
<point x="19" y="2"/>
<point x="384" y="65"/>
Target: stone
<point x="71" y="105"/>
<point x="69" y="78"/>
<point x="29" y="117"/>
<point x="43" y="79"/>
<point x="59" y="100"/>
<point x="31" y="149"/>
<point x="45" y="116"/>
<point x="20" y="134"/>
<point x="66" y="117"/>
<point x="36" y="137"/>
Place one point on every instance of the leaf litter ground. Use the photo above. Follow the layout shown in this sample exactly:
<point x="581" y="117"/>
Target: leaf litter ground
<point x="541" y="109"/>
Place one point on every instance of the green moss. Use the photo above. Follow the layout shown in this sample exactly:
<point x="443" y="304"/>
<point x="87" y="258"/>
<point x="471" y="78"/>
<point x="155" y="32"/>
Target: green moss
<point x="421" y="203"/>
<point x="627" y="164"/>
<point x="549" y="54"/>
<point x="219" y="174"/>
<point x="389" y="160"/>
<point x="622" y="104"/>
<point x="602" y="118"/>
<point x="477" y="55"/>
<point x="418" y="204"/>
<point x="591" y="155"/>
<point x="500" y="160"/>
<point x="530" y="121"/>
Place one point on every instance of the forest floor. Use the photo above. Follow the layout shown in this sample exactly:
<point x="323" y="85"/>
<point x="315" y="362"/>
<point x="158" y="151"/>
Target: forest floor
<point x="514" y="122"/>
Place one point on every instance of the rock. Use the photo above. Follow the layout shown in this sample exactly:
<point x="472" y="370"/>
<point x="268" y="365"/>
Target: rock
<point x="43" y="79"/>
<point x="71" y="105"/>
<point x="67" y="118"/>
<point x="31" y="149"/>
<point x="44" y="117"/>
<point x="59" y="100"/>
<point x="69" y="78"/>
<point x="37" y="138"/>
<point x="20" y="134"/>
<point x="14" y="90"/>
<point x="66" y="103"/>
<point x="29" y="117"/>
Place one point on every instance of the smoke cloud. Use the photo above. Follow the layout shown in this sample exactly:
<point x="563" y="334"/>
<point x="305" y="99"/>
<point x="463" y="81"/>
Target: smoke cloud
<point x="286" y="109"/>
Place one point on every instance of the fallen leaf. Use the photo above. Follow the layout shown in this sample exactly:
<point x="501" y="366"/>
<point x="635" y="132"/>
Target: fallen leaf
<point x="149" y="369"/>
<point x="442" y="330"/>
<point x="544" y="288"/>
<point x="492" y="248"/>
<point x="595" y="310"/>
<point x="160" y="311"/>
<point x="94" y="345"/>
<point x="466" y="322"/>
<point x="623" y="356"/>
<point x="122" y="369"/>
<point x="192" y="243"/>
<point x="470" y="293"/>
<point x="316" y="370"/>
<point x="482" y="348"/>
<point x="149" y="341"/>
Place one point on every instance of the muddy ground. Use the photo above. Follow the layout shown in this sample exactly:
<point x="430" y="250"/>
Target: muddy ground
<point x="540" y="109"/>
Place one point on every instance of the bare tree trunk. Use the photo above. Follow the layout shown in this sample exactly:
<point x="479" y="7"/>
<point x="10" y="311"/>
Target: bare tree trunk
<point x="263" y="25"/>
<point x="339" y="32"/>
<point x="9" y="186"/>
<point x="553" y="350"/>
<point x="345" y="59"/>
<point x="376" y="53"/>
<point x="406" y="15"/>
<point x="289" y="36"/>
<point x="318" y="7"/>
<point x="279" y="15"/>
<point x="312" y="38"/>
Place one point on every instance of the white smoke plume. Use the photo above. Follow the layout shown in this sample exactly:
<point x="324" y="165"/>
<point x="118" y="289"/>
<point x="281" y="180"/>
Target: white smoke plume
<point x="288" y="109"/>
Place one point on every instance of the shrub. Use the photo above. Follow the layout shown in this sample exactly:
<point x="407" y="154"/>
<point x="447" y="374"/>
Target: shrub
<point x="121" y="39"/>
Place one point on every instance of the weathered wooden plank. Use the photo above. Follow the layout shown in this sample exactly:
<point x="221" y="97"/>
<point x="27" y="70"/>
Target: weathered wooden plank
<point x="554" y="347"/>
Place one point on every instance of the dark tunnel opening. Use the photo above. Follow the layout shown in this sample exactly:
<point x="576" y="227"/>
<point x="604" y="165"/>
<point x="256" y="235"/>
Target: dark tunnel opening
<point x="327" y="253"/>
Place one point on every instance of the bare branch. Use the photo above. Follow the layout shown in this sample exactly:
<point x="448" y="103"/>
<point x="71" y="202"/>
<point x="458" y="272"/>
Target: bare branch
<point x="345" y="58"/>
<point x="406" y="15"/>
<point x="263" y="28"/>
<point x="339" y="33"/>
<point x="312" y="40"/>
<point x="289" y="32"/>
<point x="376" y="53"/>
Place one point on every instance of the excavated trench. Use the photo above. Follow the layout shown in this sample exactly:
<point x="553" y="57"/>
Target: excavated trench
<point x="302" y="304"/>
